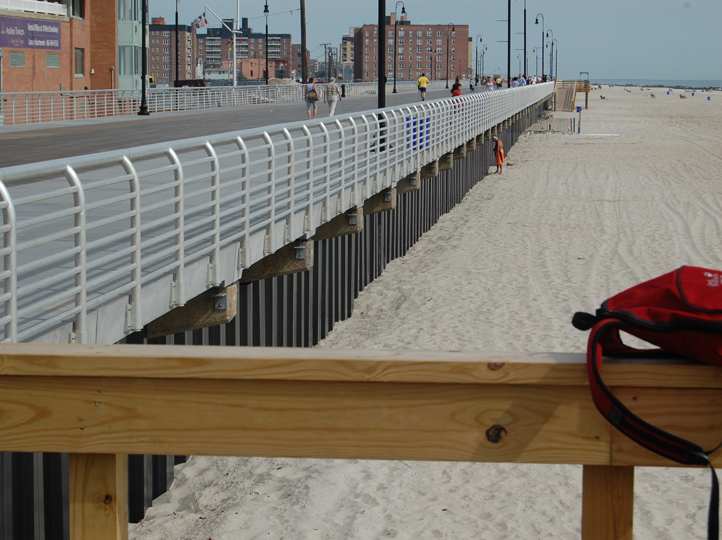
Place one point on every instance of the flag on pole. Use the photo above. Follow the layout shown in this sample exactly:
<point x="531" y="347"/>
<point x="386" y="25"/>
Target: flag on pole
<point x="201" y="21"/>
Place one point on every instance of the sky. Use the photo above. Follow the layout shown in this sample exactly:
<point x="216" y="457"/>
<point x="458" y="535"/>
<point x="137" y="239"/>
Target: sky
<point x="610" y="39"/>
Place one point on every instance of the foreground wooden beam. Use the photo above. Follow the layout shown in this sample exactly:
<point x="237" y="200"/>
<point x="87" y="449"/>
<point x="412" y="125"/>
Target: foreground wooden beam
<point x="99" y="403"/>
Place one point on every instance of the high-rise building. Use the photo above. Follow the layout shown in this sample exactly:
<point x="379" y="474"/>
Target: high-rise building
<point x="417" y="48"/>
<point x="162" y="52"/>
<point x="296" y="66"/>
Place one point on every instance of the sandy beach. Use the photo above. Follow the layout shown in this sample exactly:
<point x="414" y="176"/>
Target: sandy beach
<point x="573" y="220"/>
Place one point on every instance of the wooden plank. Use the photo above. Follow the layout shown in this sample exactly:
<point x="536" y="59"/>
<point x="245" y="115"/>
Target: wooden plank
<point x="693" y="414"/>
<point x="494" y="423"/>
<point x="98" y="496"/>
<point x="607" y="502"/>
<point x="509" y="368"/>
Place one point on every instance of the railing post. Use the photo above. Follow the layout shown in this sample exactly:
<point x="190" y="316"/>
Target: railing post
<point x="135" y="308"/>
<point x="178" y="292"/>
<point x="10" y="265"/>
<point x="214" y="274"/>
<point x="98" y="496"/>
<point x="607" y="502"/>
<point x="80" y="331"/>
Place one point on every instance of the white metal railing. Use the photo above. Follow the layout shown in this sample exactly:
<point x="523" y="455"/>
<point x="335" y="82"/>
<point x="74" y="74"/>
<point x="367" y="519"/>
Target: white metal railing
<point x="96" y="246"/>
<point x="35" y="6"/>
<point x="33" y="107"/>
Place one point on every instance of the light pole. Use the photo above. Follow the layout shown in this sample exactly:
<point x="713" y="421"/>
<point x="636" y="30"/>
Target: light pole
<point x="542" y="41"/>
<point x="526" y="61"/>
<point x="382" y="57"/>
<point x="396" y="32"/>
<point x="536" y="66"/>
<point x="453" y="29"/>
<point x="483" y="52"/>
<point x="551" y="52"/>
<point x="144" y="68"/>
<point x="177" y="45"/>
<point x="265" y="12"/>
<point x="477" y="57"/>
<point x="518" y="57"/>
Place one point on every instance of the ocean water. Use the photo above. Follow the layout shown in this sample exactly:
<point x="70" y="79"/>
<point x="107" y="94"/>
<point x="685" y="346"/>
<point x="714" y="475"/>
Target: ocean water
<point x="681" y="83"/>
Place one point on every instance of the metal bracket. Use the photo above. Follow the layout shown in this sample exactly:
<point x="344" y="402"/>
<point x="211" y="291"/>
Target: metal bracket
<point x="300" y="252"/>
<point x="388" y="196"/>
<point x="133" y="318"/>
<point x="177" y="298"/>
<point x="78" y="337"/>
<point x="353" y="219"/>
<point x="220" y="301"/>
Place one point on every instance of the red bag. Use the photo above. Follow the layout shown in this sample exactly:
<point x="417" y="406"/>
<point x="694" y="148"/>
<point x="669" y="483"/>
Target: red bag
<point x="681" y="313"/>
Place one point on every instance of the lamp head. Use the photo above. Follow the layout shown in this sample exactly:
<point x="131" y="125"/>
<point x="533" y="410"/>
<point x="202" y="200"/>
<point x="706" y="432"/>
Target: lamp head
<point x="403" y="9"/>
<point x="265" y="9"/>
<point x="536" y="21"/>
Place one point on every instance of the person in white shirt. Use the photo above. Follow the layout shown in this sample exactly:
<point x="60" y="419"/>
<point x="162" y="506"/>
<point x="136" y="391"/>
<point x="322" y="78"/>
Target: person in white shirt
<point x="522" y="80"/>
<point x="515" y="82"/>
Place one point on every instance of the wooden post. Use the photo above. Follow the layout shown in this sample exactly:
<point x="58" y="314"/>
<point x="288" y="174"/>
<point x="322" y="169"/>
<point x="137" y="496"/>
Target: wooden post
<point x="607" y="502"/>
<point x="98" y="496"/>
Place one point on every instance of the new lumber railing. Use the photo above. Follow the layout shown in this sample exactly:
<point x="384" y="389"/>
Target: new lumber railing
<point x="100" y="403"/>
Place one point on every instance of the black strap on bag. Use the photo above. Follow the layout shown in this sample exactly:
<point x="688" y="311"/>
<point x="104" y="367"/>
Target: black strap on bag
<point x="605" y="336"/>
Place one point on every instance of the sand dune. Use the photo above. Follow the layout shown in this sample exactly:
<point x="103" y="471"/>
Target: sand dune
<point x="573" y="221"/>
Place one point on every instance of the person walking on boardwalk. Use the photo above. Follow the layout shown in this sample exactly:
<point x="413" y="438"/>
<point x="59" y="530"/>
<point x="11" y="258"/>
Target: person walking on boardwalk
<point x="311" y="98"/>
<point x="422" y="82"/>
<point x="489" y="84"/>
<point x="332" y="96"/>
<point x="499" y="154"/>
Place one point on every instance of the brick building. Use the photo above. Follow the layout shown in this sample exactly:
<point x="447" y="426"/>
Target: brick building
<point x="70" y="45"/>
<point x="296" y="67"/>
<point x="418" y="49"/>
<point x="162" y="51"/>
<point x="251" y="46"/>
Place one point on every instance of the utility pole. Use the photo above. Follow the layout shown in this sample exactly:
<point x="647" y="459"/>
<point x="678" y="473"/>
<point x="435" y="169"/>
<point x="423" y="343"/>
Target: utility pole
<point x="304" y="64"/>
<point x="325" y="58"/>
<point x="526" y="61"/>
<point x="382" y="56"/>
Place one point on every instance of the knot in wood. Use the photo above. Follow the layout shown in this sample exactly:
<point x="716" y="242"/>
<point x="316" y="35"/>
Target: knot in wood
<point x="108" y="499"/>
<point x="495" y="366"/>
<point x="496" y="433"/>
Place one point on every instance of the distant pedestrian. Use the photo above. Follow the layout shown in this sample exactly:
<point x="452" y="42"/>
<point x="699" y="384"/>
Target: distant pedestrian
<point x="332" y="96"/>
<point x="499" y="154"/>
<point x="312" y="98"/>
<point x="422" y="82"/>
<point x="489" y="83"/>
<point x="522" y="80"/>
<point x="499" y="82"/>
<point x="515" y="82"/>
<point x="456" y="90"/>
<point x="471" y="85"/>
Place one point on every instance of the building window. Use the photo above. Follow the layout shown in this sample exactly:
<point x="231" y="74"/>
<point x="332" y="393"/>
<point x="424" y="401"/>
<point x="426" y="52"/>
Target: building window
<point x="401" y="32"/>
<point x="166" y="33"/>
<point x="76" y="8"/>
<point x="52" y="60"/>
<point x="438" y="49"/>
<point x="391" y="33"/>
<point x="401" y="42"/>
<point x="439" y="33"/>
<point x="428" y="32"/>
<point x="17" y="59"/>
<point x="79" y="62"/>
<point x="367" y="33"/>
<point x="401" y="50"/>
<point x="438" y="42"/>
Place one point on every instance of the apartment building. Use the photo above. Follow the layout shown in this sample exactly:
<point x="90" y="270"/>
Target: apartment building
<point x="162" y="51"/>
<point x="417" y="48"/>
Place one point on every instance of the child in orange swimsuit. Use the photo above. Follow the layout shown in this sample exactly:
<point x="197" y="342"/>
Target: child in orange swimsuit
<point x="499" y="154"/>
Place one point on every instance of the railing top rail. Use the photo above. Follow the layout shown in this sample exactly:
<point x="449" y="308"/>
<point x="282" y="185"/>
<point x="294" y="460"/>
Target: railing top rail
<point x="359" y="365"/>
<point x="20" y="173"/>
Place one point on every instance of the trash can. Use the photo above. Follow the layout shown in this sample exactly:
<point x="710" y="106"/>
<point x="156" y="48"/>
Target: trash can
<point x="343" y="90"/>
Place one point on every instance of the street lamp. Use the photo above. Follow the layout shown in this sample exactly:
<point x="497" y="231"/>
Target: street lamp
<point x="483" y="52"/>
<point x="453" y="29"/>
<point x="144" y="68"/>
<point x="542" y="41"/>
<point x="477" y="57"/>
<point x="551" y="52"/>
<point x="518" y="57"/>
<point x="396" y="32"/>
<point x="536" y="66"/>
<point x="265" y="12"/>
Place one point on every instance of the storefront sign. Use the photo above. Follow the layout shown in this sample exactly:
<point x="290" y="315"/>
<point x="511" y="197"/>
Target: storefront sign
<point x="29" y="34"/>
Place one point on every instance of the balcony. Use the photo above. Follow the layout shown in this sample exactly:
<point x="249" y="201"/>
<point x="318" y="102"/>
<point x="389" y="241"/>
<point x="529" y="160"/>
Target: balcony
<point x="35" y="6"/>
